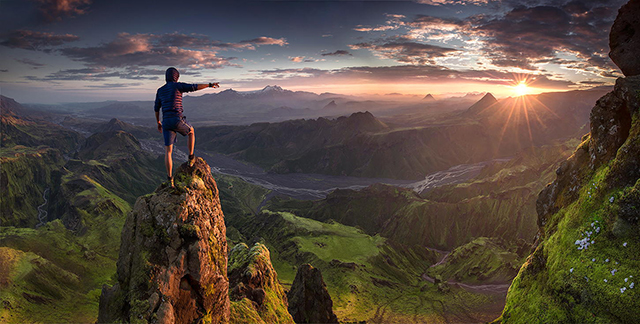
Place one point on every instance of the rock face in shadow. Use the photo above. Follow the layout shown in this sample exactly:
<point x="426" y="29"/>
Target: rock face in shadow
<point x="172" y="266"/>
<point x="624" y="39"/>
<point x="309" y="300"/>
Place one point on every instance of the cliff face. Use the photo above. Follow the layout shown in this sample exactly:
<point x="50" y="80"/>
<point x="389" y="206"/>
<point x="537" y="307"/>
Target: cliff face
<point x="173" y="257"/>
<point x="585" y="267"/>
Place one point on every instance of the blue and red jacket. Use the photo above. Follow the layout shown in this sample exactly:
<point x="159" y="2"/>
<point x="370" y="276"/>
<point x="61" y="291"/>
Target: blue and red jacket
<point x="169" y="96"/>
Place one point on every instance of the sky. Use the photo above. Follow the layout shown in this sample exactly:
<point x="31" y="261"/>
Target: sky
<point x="56" y="51"/>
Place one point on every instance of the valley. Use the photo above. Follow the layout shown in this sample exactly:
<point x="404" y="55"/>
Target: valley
<point x="402" y="227"/>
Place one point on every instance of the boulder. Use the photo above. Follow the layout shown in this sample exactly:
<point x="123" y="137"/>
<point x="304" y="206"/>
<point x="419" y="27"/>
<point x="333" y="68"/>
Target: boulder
<point x="624" y="39"/>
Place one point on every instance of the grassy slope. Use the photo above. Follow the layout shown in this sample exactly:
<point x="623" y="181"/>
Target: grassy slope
<point x="562" y="283"/>
<point x="82" y="241"/>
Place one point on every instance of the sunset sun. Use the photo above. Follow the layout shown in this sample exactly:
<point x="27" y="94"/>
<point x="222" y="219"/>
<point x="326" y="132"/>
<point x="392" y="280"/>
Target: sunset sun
<point x="521" y="89"/>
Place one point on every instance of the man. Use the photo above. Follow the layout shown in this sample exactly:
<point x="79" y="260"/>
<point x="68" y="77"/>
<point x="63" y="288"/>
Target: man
<point x="169" y="98"/>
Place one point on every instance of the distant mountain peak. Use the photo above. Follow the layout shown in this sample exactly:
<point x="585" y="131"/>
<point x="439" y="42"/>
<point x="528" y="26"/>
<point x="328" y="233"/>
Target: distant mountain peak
<point x="487" y="101"/>
<point x="269" y="88"/>
<point x="429" y="97"/>
<point x="331" y="105"/>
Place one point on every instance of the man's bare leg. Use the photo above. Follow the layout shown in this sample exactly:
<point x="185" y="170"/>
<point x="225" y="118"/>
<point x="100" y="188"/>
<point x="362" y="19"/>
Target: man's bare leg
<point x="192" y="143"/>
<point x="168" y="162"/>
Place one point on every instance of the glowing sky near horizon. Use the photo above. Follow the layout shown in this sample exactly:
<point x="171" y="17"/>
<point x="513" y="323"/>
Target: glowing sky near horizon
<point x="90" y="50"/>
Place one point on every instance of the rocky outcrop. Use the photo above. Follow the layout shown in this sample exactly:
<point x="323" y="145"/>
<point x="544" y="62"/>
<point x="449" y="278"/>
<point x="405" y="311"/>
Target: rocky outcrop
<point x="309" y="300"/>
<point x="624" y="39"/>
<point x="610" y="128"/>
<point x="172" y="266"/>
<point x="255" y="291"/>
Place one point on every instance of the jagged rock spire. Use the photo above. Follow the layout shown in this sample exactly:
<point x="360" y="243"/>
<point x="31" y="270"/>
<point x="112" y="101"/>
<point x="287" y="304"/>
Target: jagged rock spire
<point x="172" y="266"/>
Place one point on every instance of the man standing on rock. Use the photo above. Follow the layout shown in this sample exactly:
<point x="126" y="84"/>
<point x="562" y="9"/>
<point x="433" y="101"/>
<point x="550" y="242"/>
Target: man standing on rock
<point x="169" y="98"/>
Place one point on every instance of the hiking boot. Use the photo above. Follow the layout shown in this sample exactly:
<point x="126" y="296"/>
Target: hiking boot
<point x="170" y="181"/>
<point x="192" y="160"/>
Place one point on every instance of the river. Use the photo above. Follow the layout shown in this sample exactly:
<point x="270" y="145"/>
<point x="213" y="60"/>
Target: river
<point x="306" y="186"/>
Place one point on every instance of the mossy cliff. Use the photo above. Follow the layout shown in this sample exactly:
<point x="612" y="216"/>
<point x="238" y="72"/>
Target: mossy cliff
<point x="585" y="268"/>
<point x="256" y="294"/>
<point x="173" y="256"/>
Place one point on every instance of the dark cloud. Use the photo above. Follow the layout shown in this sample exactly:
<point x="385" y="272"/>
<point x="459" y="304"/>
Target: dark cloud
<point x="4" y="70"/>
<point x="193" y="51"/>
<point x="32" y="63"/>
<point x="114" y="85"/>
<point x="525" y="36"/>
<point x="337" y="53"/>
<point x="52" y="10"/>
<point x="32" y="40"/>
<point x="454" y="2"/>
<point x="103" y="74"/>
<point x="405" y="51"/>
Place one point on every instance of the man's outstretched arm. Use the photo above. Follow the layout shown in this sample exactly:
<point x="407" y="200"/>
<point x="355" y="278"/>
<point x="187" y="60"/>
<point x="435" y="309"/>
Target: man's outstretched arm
<point x="201" y="86"/>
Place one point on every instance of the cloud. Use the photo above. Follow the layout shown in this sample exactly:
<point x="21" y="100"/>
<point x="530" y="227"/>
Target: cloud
<point x="361" y="28"/>
<point x="52" y="10"/>
<point x="32" y="40"/>
<point x="266" y="41"/>
<point x="420" y="74"/>
<point x="114" y="85"/>
<point x="296" y="59"/>
<point x="337" y="53"/>
<point x="522" y="34"/>
<point x="526" y="36"/>
<point x="405" y="51"/>
<point x="103" y="74"/>
<point x="33" y="64"/>
<point x="4" y="70"/>
<point x="453" y="2"/>
<point x="193" y="51"/>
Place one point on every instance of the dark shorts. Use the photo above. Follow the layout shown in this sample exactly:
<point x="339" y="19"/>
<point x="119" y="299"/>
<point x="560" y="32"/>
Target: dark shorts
<point x="172" y="126"/>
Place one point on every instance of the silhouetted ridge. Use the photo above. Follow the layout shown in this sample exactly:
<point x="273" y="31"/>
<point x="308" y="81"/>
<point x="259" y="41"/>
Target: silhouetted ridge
<point x="331" y="105"/>
<point x="487" y="101"/>
<point x="429" y="97"/>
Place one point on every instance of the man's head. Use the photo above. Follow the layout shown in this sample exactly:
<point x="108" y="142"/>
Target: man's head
<point x="172" y="75"/>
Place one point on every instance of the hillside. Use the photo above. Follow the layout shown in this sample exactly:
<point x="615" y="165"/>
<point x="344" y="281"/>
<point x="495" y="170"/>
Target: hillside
<point x="498" y="203"/>
<point x="63" y="208"/>
<point x="361" y="145"/>
<point x="585" y="266"/>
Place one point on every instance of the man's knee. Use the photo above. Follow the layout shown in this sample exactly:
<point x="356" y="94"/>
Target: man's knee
<point x="168" y="149"/>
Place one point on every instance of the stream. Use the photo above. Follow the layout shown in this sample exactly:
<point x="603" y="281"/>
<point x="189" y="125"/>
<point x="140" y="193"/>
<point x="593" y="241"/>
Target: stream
<point x="484" y="288"/>
<point x="42" y="214"/>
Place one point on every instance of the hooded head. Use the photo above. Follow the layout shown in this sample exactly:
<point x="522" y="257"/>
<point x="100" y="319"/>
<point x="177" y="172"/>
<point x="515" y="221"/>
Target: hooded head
<point x="172" y="75"/>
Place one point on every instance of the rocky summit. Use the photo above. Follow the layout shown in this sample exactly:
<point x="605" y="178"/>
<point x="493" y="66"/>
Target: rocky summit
<point x="309" y="300"/>
<point x="172" y="266"/>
